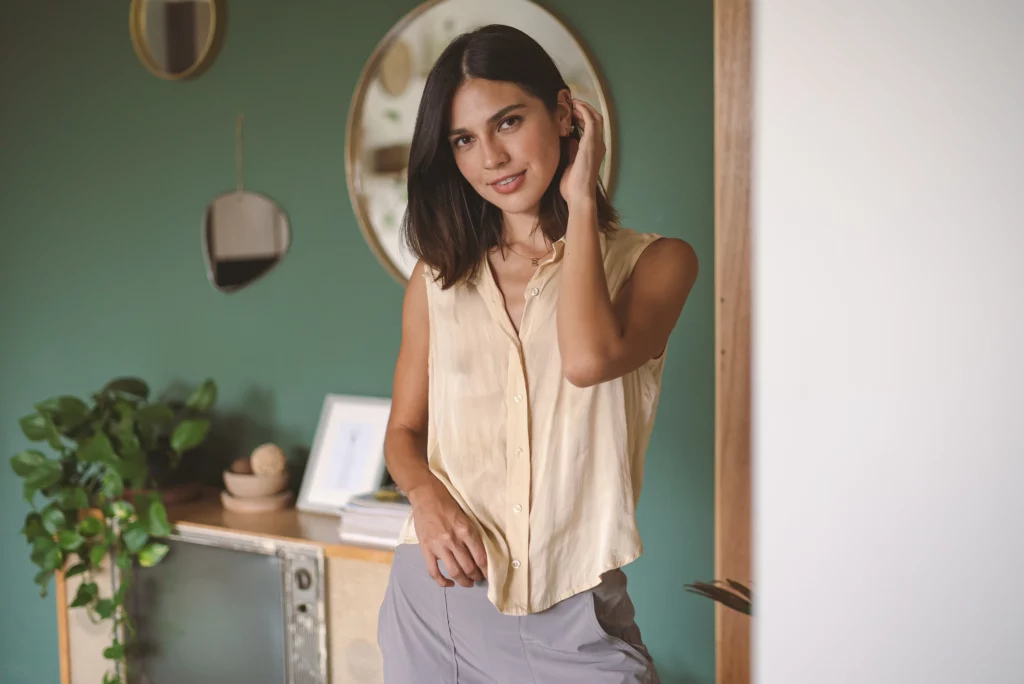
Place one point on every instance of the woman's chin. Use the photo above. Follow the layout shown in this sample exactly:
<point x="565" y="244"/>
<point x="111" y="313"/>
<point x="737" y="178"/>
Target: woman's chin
<point x="516" y="203"/>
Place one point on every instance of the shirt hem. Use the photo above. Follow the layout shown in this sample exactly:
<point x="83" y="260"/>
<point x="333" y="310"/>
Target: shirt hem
<point x="575" y="589"/>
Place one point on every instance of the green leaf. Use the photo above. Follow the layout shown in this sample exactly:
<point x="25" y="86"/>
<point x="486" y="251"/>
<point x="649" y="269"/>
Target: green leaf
<point x="112" y="484"/>
<point x="52" y="559"/>
<point x="97" y="554"/>
<point x="69" y="540"/>
<point x="128" y="385"/>
<point x="47" y="475"/>
<point x="189" y="434"/>
<point x="152" y="514"/>
<point x="74" y="499"/>
<point x="125" y="409"/>
<point x="135" y="537"/>
<point x="128" y="444"/>
<point x="111" y="678"/>
<point x="29" y="493"/>
<point x="67" y="412"/>
<point x="39" y="427"/>
<point x="152" y="554"/>
<point x="76" y="569"/>
<point x="158" y="524"/>
<point x="33" y="527"/>
<point x="124" y="562"/>
<point x="115" y="651"/>
<point x="203" y="397"/>
<point x="105" y="608"/>
<point x="97" y="449"/>
<point x="25" y="463"/>
<point x="158" y="415"/>
<point x="90" y="526"/>
<point x="42" y="578"/>
<point x="40" y="545"/>
<point x="87" y="591"/>
<point x="134" y="468"/>
<point x="53" y="519"/>
<point x="122" y="509"/>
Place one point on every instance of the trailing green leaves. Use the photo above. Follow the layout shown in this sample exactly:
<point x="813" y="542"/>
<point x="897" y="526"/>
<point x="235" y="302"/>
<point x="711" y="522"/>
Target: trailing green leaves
<point x="38" y="471"/>
<point x="80" y="521"/>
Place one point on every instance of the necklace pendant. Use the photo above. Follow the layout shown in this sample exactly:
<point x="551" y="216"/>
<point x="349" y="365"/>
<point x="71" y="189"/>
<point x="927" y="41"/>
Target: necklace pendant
<point x="534" y="261"/>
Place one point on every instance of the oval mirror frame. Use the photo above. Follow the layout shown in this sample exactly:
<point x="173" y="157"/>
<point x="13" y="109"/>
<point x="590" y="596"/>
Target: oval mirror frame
<point x="369" y="74"/>
<point x="136" y="27"/>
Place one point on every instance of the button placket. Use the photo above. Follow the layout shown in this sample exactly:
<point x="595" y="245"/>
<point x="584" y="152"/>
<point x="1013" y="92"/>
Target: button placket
<point x="518" y="473"/>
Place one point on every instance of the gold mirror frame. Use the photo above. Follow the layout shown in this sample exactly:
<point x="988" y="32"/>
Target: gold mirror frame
<point x="368" y="73"/>
<point x="136" y="17"/>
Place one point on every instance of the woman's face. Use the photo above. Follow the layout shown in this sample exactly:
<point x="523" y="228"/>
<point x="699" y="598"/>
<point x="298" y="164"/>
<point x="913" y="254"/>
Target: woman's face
<point x="506" y="142"/>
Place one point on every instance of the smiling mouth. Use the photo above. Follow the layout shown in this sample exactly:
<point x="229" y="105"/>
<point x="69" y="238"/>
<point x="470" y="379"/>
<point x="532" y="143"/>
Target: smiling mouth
<point x="507" y="180"/>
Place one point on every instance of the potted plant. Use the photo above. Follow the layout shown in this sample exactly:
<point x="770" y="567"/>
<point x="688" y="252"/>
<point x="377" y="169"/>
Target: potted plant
<point x="117" y="442"/>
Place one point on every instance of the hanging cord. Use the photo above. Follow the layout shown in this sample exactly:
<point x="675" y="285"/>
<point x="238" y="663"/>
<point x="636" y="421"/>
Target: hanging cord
<point x="238" y="153"/>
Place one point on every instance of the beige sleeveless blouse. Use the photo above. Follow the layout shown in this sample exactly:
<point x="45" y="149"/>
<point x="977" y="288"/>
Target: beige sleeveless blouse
<point x="549" y="472"/>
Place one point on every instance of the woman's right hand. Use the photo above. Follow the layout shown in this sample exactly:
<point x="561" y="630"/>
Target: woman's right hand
<point x="446" y="533"/>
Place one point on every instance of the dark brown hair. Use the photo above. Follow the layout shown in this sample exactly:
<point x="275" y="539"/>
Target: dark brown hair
<point x="447" y="224"/>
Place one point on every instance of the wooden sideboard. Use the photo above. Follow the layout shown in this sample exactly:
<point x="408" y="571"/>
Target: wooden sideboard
<point x="355" y="579"/>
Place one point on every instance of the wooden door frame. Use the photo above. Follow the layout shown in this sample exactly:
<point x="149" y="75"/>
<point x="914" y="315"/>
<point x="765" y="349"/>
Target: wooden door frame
<point x="732" y="29"/>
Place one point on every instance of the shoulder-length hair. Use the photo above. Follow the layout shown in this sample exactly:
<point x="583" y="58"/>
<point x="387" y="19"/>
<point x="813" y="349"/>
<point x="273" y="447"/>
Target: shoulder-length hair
<point x="447" y="224"/>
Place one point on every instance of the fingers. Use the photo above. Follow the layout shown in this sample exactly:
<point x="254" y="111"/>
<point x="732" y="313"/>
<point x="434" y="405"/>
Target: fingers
<point x="470" y="570"/>
<point x="476" y="548"/>
<point x="591" y="119"/>
<point x="455" y="568"/>
<point x="435" y="573"/>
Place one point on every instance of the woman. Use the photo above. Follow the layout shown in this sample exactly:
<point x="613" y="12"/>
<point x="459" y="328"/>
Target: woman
<point x="526" y="384"/>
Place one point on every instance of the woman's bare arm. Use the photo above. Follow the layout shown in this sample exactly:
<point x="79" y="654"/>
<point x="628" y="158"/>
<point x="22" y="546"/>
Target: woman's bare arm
<point x="445" y="532"/>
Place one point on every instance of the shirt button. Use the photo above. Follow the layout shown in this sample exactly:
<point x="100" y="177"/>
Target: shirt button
<point x="517" y="508"/>
<point x="535" y="291"/>
<point x="519" y="451"/>
<point x="518" y="398"/>
<point x="516" y="564"/>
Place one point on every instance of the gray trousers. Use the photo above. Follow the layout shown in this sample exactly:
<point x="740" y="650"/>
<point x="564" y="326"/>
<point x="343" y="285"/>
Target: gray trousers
<point x="432" y="635"/>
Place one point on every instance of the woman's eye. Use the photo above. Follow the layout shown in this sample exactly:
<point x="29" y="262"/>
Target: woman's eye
<point x="461" y="142"/>
<point x="509" y="122"/>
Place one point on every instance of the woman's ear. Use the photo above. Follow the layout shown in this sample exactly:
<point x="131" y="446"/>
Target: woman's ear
<point x="563" y="113"/>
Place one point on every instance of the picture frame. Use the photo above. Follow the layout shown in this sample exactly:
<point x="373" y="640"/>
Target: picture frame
<point x="347" y="458"/>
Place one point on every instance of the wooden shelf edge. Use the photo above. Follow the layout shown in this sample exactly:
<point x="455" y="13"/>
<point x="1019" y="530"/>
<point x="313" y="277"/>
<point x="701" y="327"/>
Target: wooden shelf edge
<point x="290" y="524"/>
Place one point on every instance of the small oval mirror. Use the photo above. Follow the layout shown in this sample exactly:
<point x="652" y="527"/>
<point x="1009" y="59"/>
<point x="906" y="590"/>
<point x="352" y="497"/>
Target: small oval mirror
<point x="176" y="39"/>
<point x="245" y="235"/>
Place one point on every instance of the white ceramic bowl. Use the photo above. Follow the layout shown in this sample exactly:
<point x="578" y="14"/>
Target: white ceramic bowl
<point x="246" y="485"/>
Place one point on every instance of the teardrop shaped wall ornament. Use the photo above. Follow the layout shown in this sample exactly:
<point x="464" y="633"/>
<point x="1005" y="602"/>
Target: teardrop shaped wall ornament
<point x="245" y="234"/>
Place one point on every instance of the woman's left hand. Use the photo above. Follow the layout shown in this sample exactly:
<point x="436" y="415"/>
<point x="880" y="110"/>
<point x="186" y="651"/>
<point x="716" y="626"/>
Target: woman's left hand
<point x="579" y="182"/>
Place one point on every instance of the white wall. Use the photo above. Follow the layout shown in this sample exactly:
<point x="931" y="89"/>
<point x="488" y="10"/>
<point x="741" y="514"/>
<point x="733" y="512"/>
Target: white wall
<point x="888" y="334"/>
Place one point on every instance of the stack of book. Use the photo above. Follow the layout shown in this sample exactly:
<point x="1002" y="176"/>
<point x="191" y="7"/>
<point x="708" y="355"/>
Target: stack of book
<point x="374" y="519"/>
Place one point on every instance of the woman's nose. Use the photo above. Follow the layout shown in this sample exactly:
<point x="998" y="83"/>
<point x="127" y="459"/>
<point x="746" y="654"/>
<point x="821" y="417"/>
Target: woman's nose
<point x="495" y="154"/>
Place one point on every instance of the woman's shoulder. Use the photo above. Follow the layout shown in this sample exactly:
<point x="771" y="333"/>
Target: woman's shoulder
<point x="632" y="248"/>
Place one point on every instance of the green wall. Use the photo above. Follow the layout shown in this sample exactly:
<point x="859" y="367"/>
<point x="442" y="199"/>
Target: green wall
<point x="106" y="170"/>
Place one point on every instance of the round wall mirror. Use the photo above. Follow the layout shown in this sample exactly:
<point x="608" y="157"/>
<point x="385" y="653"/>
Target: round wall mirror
<point x="176" y="39"/>
<point x="383" y="110"/>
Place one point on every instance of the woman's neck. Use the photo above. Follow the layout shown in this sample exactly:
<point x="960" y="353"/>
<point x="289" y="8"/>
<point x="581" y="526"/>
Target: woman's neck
<point x="523" y="230"/>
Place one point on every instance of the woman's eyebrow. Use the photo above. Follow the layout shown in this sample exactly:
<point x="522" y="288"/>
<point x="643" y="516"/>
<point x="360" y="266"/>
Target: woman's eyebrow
<point x="493" y="119"/>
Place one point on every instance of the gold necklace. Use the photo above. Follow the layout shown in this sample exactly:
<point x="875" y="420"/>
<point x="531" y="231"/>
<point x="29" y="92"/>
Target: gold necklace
<point x="534" y="261"/>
